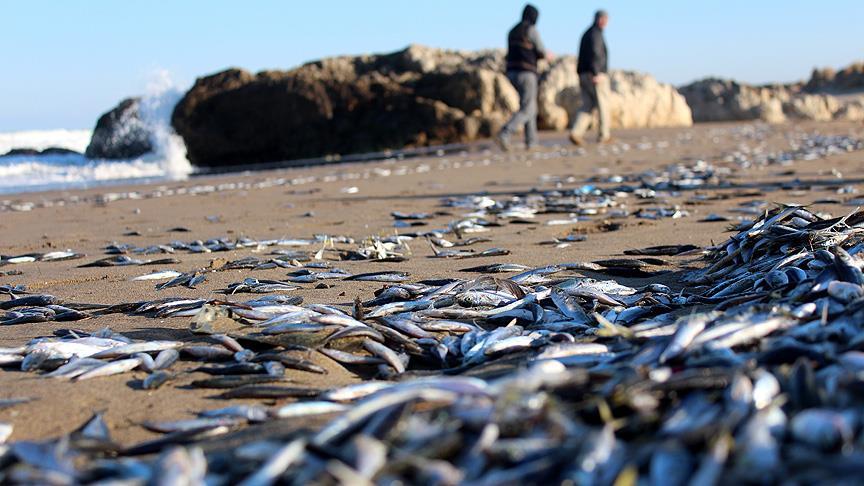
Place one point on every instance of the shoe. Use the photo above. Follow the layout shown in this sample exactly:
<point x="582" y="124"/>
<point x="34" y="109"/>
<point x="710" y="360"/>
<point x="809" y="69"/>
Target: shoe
<point x="503" y="142"/>
<point x="605" y="141"/>
<point x="576" y="140"/>
<point x="532" y="146"/>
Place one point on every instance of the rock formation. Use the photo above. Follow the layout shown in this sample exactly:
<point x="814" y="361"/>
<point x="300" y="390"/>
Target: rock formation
<point x="424" y="96"/>
<point x="850" y="78"/>
<point x="17" y="152"/>
<point x="414" y="97"/>
<point x="120" y="133"/>
<point x="637" y="100"/>
<point x="725" y="100"/>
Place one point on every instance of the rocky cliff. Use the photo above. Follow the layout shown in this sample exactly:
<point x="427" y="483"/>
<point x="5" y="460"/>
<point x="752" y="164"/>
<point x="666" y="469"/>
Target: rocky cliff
<point x="414" y="97"/>
<point x="828" y="95"/>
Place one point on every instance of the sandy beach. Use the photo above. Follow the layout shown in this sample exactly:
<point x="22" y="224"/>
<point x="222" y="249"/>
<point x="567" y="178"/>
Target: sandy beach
<point x="356" y="200"/>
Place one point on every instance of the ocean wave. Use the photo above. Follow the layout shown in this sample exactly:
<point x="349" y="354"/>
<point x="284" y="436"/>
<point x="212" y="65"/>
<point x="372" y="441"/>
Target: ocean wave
<point x="41" y="173"/>
<point x="27" y="173"/>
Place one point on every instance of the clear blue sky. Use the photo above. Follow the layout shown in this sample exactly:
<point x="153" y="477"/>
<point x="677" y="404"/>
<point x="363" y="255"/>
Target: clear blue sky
<point x="64" y="62"/>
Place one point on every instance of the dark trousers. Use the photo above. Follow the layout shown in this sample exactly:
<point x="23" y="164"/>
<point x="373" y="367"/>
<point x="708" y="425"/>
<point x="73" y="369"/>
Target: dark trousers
<point x="525" y="83"/>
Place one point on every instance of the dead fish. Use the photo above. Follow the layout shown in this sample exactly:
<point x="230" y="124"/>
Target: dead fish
<point x="349" y="358"/>
<point x="306" y="409"/>
<point x="121" y="260"/>
<point x="354" y="392"/>
<point x="269" y="391"/>
<point x="189" y="280"/>
<point x="143" y="347"/>
<point x="485" y="253"/>
<point x="208" y="352"/>
<point x="409" y="216"/>
<point x="384" y="353"/>
<point x="165" y="359"/>
<point x="30" y="301"/>
<point x="163" y="275"/>
<point x="394" y="277"/>
<point x="191" y="424"/>
<point x="233" y="369"/>
<point x="713" y="218"/>
<point x="497" y="268"/>
<point x="11" y="402"/>
<point x="565" y="350"/>
<point x="175" y="438"/>
<point x="667" y="250"/>
<point x="254" y="285"/>
<point x="156" y="379"/>
<point x="821" y="428"/>
<point x="252" y="413"/>
<point x="108" y="369"/>
<point x="292" y="362"/>
<point x="277" y="464"/>
<point x="687" y="331"/>
<point x="568" y="307"/>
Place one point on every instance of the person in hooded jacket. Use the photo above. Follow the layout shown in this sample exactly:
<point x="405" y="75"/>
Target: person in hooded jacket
<point x="593" y="81"/>
<point x="524" y="49"/>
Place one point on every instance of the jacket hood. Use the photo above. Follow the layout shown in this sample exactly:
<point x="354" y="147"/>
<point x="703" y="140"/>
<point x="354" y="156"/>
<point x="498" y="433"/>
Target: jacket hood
<point x="530" y="14"/>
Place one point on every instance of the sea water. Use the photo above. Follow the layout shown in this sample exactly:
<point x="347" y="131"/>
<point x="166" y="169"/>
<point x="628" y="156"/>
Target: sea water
<point x="27" y="173"/>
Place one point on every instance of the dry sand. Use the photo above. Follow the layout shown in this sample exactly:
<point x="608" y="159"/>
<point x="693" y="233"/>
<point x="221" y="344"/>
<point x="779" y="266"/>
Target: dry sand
<point x="284" y="211"/>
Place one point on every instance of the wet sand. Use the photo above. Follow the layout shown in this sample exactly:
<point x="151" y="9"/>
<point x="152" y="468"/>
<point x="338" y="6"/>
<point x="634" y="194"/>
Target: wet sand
<point x="330" y="205"/>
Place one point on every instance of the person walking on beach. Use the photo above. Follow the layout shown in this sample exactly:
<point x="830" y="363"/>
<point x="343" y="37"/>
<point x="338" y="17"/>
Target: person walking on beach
<point x="524" y="49"/>
<point x="593" y="81"/>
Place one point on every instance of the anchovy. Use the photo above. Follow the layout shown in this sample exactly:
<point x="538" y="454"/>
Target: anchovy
<point x="269" y="391"/>
<point x="163" y="275"/>
<point x="684" y="336"/>
<point x="497" y="268"/>
<point x="130" y="349"/>
<point x="108" y="369"/>
<point x="306" y="409"/>
<point x="191" y="424"/>
<point x="165" y="359"/>
<point x="233" y="369"/>
<point x="348" y="358"/>
<point x="277" y="464"/>
<point x="156" y="379"/>
<point x="355" y="392"/>
<point x="30" y="301"/>
<point x="252" y="413"/>
<point x="394" y="277"/>
<point x="207" y="352"/>
<point x="384" y="353"/>
<point x="292" y="362"/>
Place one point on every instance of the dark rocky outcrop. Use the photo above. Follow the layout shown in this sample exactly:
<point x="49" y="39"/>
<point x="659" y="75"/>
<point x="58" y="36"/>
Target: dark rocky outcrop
<point x="414" y="97"/>
<point x="120" y="133"/>
<point x="32" y="152"/>
<point x="848" y="79"/>
<point x="334" y="106"/>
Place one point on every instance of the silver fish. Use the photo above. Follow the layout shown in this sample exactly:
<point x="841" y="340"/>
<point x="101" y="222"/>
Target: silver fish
<point x="109" y="369"/>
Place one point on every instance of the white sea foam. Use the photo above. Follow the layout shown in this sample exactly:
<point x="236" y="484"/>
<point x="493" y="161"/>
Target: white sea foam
<point x="24" y="173"/>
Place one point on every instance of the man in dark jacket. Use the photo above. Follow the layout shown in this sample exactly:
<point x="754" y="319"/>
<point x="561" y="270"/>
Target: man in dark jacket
<point x="593" y="81"/>
<point x="524" y="49"/>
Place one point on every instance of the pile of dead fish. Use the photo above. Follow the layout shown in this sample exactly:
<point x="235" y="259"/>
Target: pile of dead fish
<point x="544" y="376"/>
<point x="688" y="175"/>
<point x="576" y="205"/>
